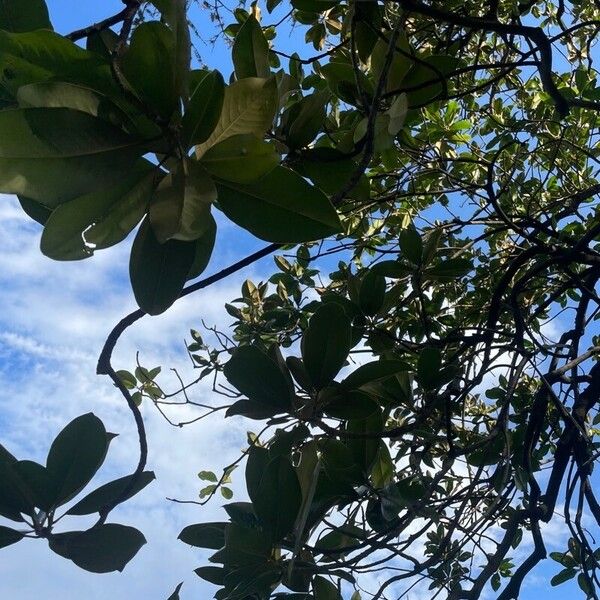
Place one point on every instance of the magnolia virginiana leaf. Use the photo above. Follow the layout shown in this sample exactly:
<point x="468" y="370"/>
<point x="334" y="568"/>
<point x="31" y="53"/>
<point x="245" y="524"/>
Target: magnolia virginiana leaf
<point x="75" y="455"/>
<point x="241" y="158"/>
<point x="109" y="492"/>
<point x="98" y="219"/>
<point x="181" y="204"/>
<point x="249" y="106"/>
<point x="279" y="498"/>
<point x="43" y="55"/>
<point x="158" y="271"/>
<point x="52" y="155"/>
<point x="204" y="248"/>
<point x="204" y="109"/>
<point x="58" y="94"/>
<point x="304" y="119"/>
<point x="326" y="343"/>
<point x="149" y="67"/>
<point x="302" y="214"/>
<point x="257" y="376"/>
<point x="397" y="113"/>
<point x="9" y="536"/>
<point x="204" y="535"/>
<point x="101" y="549"/>
<point x="24" y="15"/>
<point x="250" y="51"/>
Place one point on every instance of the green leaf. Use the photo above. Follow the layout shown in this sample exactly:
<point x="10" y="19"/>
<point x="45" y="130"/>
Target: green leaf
<point x="9" y="536"/>
<point x="258" y="459"/>
<point x="75" y="455"/>
<point x="99" y="219"/>
<point x="204" y="248"/>
<point x="15" y="498"/>
<point x="302" y="214"/>
<point x="331" y="170"/>
<point x="243" y="547"/>
<point x="157" y="271"/>
<point x="175" y="594"/>
<point x="585" y="585"/>
<point x="38" y="486"/>
<point x="449" y="269"/>
<point x="304" y="119"/>
<point x="411" y="245"/>
<point x="371" y="293"/>
<point x="101" y="549"/>
<point x="109" y="492"/>
<point x="373" y="372"/>
<point x="258" y="376"/>
<point x="326" y="343"/>
<point x="325" y="590"/>
<point x="204" y="535"/>
<point x="563" y="576"/>
<point x="38" y="212"/>
<point x="58" y="94"/>
<point x="251" y="410"/>
<point x="279" y="497"/>
<point x="43" y="55"/>
<point x="241" y="158"/>
<point x="54" y="154"/>
<point x="180" y="208"/>
<point x="350" y="405"/>
<point x="215" y="575"/>
<point x="149" y="67"/>
<point x="24" y="15"/>
<point x="250" y="51"/>
<point x="383" y="469"/>
<point x="424" y="79"/>
<point x="204" y="109"/>
<point x="249" y="106"/>
<point x="365" y="449"/>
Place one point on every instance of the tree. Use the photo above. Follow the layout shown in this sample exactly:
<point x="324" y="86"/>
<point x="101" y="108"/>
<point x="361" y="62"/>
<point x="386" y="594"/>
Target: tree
<point x="422" y="367"/>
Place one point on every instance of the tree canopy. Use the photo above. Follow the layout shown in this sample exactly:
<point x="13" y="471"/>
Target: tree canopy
<point x="421" y="367"/>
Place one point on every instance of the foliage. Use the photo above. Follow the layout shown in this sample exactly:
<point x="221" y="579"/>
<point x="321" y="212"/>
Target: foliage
<point x="422" y="365"/>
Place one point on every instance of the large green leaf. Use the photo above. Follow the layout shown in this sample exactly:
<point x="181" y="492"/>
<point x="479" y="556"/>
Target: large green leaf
<point x="204" y="109"/>
<point x="43" y="55"/>
<point x="101" y="549"/>
<point x="14" y="496"/>
<point x="55" y="154"/>
<point x="204" y="246"/>
<point x="303" y="213"/>
<point x="99" y="219"/>
<point x="241" y="158"/>
<point x="331" y="170"/>
<point x="9" y="536"/>
<point x="279" y="497"/>
<point x="365" y="445"/>
<point x="157" y="271"/>
<point x="38" y="484"/>
<point x="249" y="106"/>
<point x="24" y="15"/>
<point x="204" y="535"/>
<point x="149" y="67"/>
<point x="325" y="590"/>
<point x="243" y="547"/>
<point x="180" y="208"/>
<point x="109" y="492"/>
<point x="75" y="455"/>
<point x="326" y="343"/>
<point x="257" y="376"/>
<point x="250" y="51"/>
<point x="373" y="372"/>
<point x="304" y="119"/>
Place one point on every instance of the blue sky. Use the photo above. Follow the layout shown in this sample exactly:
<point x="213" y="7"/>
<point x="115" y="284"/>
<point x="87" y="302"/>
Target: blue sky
<point x="54" y="319"/>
